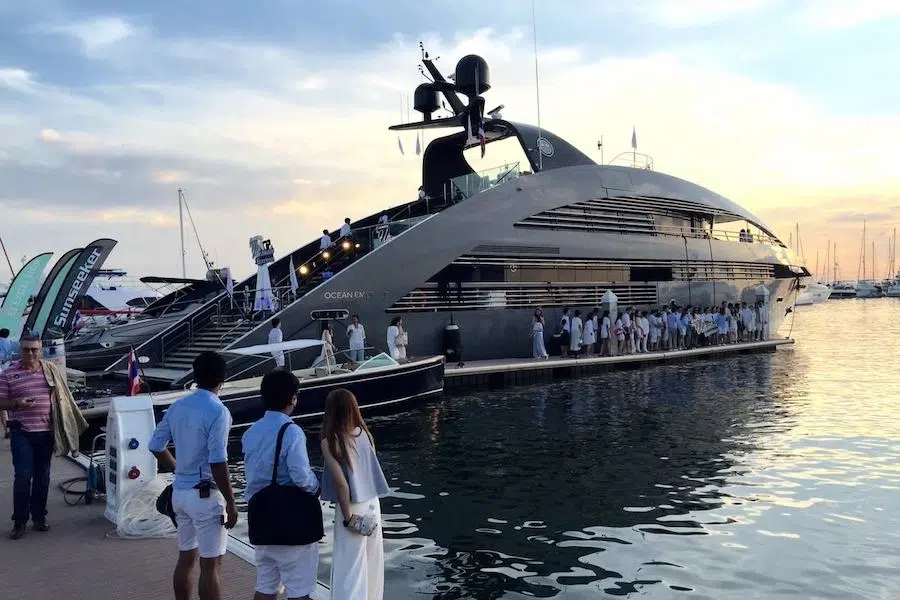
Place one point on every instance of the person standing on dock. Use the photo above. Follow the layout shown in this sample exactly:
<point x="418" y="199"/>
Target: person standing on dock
<point x="43" y="418"/>
<point x="538" y="349"/>
<point x="590" y="334"/>
<point x="276" y="336"/>
<point x="201" y="492"/>
<point x="605" y="328"/>
<point x="354" y="481"/>
<point x="293" y="567"/>
<point x="565" y="332"/>
<point x="575" y="333"/>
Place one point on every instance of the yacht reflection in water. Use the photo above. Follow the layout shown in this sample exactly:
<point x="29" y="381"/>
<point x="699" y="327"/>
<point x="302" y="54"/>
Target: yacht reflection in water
<point x="528" y="489"/>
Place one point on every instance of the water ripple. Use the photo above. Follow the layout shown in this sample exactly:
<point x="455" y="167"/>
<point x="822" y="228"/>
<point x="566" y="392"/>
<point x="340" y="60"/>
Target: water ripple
<point x="769" y="476"/>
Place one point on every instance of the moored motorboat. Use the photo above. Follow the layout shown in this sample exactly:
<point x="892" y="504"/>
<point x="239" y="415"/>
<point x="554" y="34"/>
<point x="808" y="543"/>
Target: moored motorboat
<point x="813" y="293"/>
<point x="378" y="381"/>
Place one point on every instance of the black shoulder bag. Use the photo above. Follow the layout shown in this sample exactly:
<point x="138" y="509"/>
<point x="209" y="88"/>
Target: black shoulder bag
<point x="284" y="515"/>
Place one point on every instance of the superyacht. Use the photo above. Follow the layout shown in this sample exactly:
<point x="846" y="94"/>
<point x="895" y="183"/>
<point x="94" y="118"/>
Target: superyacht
<point x="480" y="251"/>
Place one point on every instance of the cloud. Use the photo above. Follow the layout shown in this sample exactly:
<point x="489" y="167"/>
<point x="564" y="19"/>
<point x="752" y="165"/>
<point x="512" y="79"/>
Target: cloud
<point x="829" y="15"/>
<point x="49" y="135"/>
<point x="16" y="79"/>
<point x="691" y="13"/>
<point x="97" y="33"/>
<point x="234" y="123"/>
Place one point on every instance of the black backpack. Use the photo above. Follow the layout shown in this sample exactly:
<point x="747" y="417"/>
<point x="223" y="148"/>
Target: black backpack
<point x="284" y="515"/>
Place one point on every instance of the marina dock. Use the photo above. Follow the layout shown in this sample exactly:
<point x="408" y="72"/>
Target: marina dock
<point x="80" y="557"/>
<point x="497" y="373"/>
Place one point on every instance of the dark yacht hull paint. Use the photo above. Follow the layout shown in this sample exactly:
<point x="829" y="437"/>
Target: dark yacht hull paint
<point x="375" y="391"/>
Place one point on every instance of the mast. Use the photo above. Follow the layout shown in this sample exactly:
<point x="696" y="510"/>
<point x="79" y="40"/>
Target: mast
<point x="817" y="265"/>
<point x="862" y="256"/>
<point x="181" y="230"/>
<point x="537" y="85"/>
<point x="834" y="278"/>
<point x="827" y="257"/>
<point x="8" y="262"/>
<point x="873" y="261"/>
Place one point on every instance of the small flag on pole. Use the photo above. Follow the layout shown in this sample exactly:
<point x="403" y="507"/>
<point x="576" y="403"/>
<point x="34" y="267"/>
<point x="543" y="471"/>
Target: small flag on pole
<point x="633" y="138"/>
<point x="400" y="145"/>
<point x="293" y="276"/>
<point x="134" y="375"/>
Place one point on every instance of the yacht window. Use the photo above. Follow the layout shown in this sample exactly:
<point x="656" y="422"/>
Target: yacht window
<point x="329" y="315"/>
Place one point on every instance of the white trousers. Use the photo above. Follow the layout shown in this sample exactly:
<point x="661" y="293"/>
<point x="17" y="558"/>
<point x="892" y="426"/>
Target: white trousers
<point x="357" y="561"/>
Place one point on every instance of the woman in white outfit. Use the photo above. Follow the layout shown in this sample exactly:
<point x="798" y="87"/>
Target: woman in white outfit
<point x="353" y="479"/>
<point x="576" y="332"/>
<point x="589" y="337"/>
<point x="393" y="334"/>
<point x="326" y="357"/>
<point x="538" y="349"/>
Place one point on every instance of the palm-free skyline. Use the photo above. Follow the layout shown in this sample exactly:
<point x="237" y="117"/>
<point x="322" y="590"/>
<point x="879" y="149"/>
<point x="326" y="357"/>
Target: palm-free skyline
<point x="273" y="117"/>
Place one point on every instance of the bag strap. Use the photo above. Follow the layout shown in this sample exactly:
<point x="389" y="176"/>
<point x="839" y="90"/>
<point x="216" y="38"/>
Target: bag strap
<point x="278" y="450"/>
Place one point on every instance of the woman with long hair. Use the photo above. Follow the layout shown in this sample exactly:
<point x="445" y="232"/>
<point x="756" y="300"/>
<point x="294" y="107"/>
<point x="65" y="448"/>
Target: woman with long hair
<point x="326" y="357"/>
<point x="353" y="479"/>
<point x="393" y="337"/>
<point x="538" y="349"/>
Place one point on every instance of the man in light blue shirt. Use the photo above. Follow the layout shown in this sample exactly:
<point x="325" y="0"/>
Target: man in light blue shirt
<point x="202" y="497"/>
<point x="294" y="567"/>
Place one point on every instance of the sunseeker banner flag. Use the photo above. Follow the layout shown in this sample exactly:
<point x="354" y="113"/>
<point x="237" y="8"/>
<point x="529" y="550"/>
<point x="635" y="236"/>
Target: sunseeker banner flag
<point x="20" y="290"/>
<point x="44" y="299"/>
<point x="76" y="285"/>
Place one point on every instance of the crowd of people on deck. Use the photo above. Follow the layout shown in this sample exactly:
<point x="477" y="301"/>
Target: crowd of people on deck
<point x="668" y="328"/>
<point x="44" y="420"/>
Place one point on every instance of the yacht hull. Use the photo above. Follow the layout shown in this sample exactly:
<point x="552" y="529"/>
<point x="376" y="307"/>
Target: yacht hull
<point x="397" y="279"/>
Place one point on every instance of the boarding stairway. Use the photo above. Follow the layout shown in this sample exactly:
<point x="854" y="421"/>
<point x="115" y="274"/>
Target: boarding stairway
<point x="230" y="318"/>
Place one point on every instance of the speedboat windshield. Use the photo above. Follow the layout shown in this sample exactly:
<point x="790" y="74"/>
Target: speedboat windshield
<point x="379" y="360"/>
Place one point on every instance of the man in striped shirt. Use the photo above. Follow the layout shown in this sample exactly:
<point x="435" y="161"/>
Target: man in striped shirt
<point x="25" y="393"/>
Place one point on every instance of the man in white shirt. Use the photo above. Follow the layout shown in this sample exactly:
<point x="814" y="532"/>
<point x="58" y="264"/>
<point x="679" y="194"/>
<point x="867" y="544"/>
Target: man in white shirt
<point x="276" y="336"/>
<point x="345" y="228"/>
<point x="357" y="336"/>
<point x="325" y="242"/>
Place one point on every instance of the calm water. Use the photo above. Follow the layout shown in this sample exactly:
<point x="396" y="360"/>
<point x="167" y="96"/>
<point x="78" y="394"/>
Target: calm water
<point x="770" y="476"/>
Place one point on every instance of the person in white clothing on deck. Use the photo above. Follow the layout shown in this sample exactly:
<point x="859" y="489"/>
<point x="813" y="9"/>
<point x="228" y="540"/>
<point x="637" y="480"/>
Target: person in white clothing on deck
<point x="291" y="567"/>
<point x="276" y="337"/>
<point x="356" y="334"/>
<point x="325" y="242"/>
<point x="345" y="229"/>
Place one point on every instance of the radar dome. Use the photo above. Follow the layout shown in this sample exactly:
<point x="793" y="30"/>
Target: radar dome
<point x="425" y="99"/>
<point x="473" y="77"/>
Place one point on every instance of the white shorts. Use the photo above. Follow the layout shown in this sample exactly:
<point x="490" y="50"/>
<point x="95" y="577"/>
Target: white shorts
<point x="295" y="567"/>
<point x="201" y="522"/>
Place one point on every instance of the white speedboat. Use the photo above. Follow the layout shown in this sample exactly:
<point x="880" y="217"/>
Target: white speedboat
<point x="813" y="293"/>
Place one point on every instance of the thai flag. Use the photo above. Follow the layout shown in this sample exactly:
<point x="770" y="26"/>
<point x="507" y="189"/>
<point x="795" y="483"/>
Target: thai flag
<point x="134" y="375"/>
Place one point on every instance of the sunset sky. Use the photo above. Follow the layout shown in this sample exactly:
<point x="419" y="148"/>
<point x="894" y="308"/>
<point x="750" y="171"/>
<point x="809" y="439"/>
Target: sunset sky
<point x="273" y="116"/>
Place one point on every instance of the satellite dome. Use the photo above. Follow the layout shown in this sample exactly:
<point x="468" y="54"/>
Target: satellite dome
<point x="473" y="77"/>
